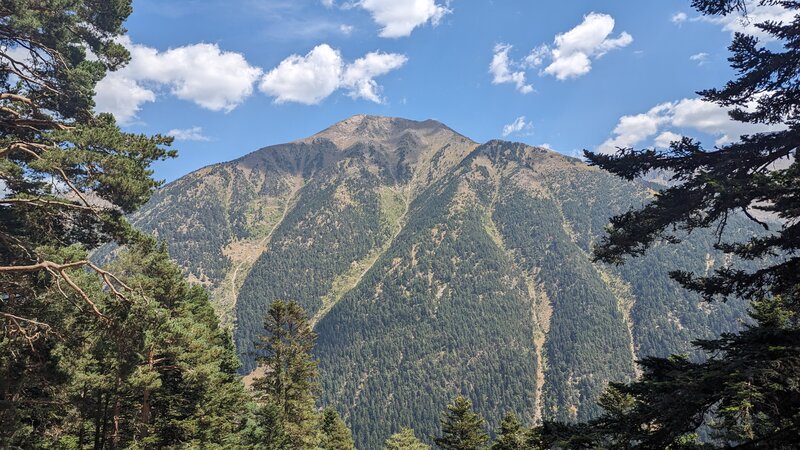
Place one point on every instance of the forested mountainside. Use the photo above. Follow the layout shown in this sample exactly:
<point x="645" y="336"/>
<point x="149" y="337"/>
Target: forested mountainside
<point x="432" y="266"/>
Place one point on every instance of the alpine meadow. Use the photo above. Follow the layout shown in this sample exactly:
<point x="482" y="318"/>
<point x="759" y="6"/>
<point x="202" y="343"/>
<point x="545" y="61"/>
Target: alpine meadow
<point x="377" y="282"/>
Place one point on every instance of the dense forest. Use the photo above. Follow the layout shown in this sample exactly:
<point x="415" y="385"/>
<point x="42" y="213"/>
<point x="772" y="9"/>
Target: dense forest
<point x="389" y="283"/>
<point x="417" y="280"/>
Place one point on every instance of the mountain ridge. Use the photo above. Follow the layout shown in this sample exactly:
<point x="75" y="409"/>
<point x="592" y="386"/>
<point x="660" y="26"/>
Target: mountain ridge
<point x="432" y="265"/>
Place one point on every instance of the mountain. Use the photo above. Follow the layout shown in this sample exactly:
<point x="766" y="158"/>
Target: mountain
<point x="432" y="265"/>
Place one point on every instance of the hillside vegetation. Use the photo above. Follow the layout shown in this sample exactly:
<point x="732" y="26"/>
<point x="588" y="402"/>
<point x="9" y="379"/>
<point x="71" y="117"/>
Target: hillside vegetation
<point x="433" y="266"/>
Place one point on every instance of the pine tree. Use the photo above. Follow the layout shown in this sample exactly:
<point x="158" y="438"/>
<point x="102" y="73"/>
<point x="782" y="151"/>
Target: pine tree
<point x="462" y="428"/>
<point x="405" y="440"/>
<point x="162" y="374"/>
<point x="511" y="435"/>
<point x="335" y="434"/>
<point x="68" y="177"/>
<point x="289" y="381"/>
<point x="745" y="393"/>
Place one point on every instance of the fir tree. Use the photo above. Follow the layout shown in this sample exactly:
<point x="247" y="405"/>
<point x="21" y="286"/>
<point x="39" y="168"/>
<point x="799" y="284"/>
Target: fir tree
<point x="462" y="428"/>
<point x="511" y="435"/>
<point x="335" y="434"/>
<point x="405" y="440"/>
<point x="745" y="394"/>
<point x="290" y="376"/>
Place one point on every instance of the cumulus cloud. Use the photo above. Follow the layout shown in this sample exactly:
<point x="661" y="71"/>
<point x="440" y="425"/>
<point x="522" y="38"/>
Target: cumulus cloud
<point x="500" y="68"/>
<point x="575" y="49"/>
<point x="359" y="76"/>
<point x="517" y="125"/>
<point x="121" y="96"/>
<point x="687" y="114"/>
<point x="188" y="134"/>
<point x="570" y="56"/>
<point x="398" y="18"/>
<point x="311" y="78"/>
<point x="305" y="79"/>
<point x="679" y="17"/>
<point x="666" y="138"/>
<point x="201" y="73"/>
<point x="756" y="13"/>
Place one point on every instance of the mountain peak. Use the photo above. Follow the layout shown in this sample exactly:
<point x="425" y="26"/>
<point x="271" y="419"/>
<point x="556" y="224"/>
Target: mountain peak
<point x="380" y="129"/>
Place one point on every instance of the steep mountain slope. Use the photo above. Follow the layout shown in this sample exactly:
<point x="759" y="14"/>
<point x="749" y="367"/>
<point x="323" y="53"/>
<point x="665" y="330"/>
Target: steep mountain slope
<point x="432" y="266"/>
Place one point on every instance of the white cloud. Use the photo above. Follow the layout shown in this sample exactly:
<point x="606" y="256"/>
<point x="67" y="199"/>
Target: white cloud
<point x="701" y="58"/>
<point x="631" y="130"/>
<point x="305" y="79"/>
<point x="687" y="114"/>
<point x="679" y="17"/>
<point x="517" y="125"/>
<point x="327" y="3"/>
<point x="756" y="13"/>
<point x="666" y="138"/>
<point x="399" y="17"/>
<point x="500" y="68"/>
<point x="200" y="73"/>
<point x="570" y="56"/>
<point x="345" y="29"/>
<point x="537" y="56"/>
<point x="188" y="134"/>
<point x="359" y="76"/>
<point x="311" y="78"/>
<point x="122" y="97"/>
<point x="574" y="50"/>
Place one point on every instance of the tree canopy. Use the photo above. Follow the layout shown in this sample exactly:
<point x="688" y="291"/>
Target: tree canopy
<point x="67" y="175"/>
<point x="744" y="394"/>
<point x="462" y="428"/>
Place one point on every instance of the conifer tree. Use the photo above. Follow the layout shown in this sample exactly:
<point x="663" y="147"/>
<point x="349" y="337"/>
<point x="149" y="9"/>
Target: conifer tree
<point x="745" y="394"/>
<point x="68" y="177"/>
<point x="335" y="434"/>
<point x="405" y="440"/>
<point x="511" y="435"/>
<point x="289" y="381"/>
<point x="462" y="428"/>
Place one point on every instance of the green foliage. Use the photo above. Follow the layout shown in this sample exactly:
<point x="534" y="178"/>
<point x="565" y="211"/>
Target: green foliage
<point x="405" y="440"/>
<point x="486" y="276"/>
<point x="70" y="346"/>
<point x="336" y="220"/>
<point x="266" y="428"/>
<point x="160" y="372"/>
<point x="290" y="374"/>
<point x="335" y="434"/>
<point x="511" y="436"/>
<point x="745" y="392"/>
<point x="462" y="428"/>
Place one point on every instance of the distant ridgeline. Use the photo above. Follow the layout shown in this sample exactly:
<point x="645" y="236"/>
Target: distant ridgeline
<point x="432" y="266"/>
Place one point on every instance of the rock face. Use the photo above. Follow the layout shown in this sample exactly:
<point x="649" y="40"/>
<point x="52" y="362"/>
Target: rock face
<point x="432" y="266"/>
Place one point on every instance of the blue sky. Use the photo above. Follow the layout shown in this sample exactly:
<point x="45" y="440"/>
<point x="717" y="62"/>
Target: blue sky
<point x="229" y="77"/>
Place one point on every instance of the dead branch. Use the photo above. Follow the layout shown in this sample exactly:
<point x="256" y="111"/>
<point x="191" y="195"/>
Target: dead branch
<point x="17" y="328"/>
<point x="60" y="271"/>
<point x="38" y="201"/>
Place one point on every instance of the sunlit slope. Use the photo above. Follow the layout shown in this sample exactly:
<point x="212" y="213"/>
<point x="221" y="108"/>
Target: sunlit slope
<point x="433" y="266"/>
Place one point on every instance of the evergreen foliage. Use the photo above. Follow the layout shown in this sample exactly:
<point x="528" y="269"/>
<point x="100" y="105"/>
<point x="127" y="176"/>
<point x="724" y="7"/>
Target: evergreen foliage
<point x="290" y="372"/>
<point x="335" y="434"/>
<point x="405" y="439"/>
<point x="161" y="372"/>
<point x="68" y="175"/>
<point x="463" y="267"/>
<point x="511" y="436"/>
<point x="745" y="393"/>
<point x="462" y="428"/>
